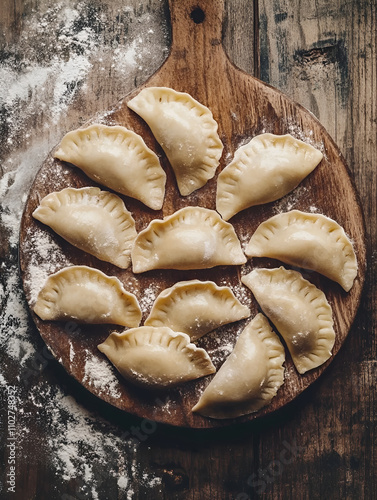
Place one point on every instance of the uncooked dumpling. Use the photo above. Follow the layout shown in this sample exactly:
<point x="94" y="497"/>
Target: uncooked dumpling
<point x="300" y="312"/>
<point x="156" y="358"/>
<point x="93" y="220"/>
<point x="87" y="295"/>
<point x="185" y="130"/>
<point x="117" y="158"/>
<point x="264" y="170"/>
<point x="191" y="238"/>
<point x="196" y="308"/>
<point x="311" y="241"/>
<point x="250" y="376"/>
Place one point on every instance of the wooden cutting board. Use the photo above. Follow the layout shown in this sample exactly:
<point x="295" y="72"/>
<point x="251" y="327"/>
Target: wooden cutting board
<point x="243" y="107"/>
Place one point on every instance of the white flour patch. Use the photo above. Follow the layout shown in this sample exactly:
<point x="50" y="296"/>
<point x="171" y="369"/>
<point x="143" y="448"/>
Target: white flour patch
<point x="20" y="85"/>
<point x="150" y="481"/>
<point x="122" y="482"/>
<point x="46" y="259"/>
<point x="12" y="223"/>
<point x="222" y="352"/>
<point x="99" y="374"/>
<point x="3" y="382"/>
<point x="69" y="75"/>
<point x="15" y="339"/>
<point x="148" y="298"/>
<point x="16" y="183"/>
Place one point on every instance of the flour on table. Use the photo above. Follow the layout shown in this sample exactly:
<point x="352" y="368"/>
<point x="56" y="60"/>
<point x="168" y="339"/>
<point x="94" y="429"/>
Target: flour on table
<point x="150" y="481"/>
<point x="80" y="442"/>
<point x="52" y="66"/>
<point x="15" y="338"/>
<point x="3" y="382"/>
<point x="122" y="482"/>
<point x="56" y="55"/>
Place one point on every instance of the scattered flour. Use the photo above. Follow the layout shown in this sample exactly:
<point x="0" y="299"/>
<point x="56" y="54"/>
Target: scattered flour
<point x="222" y="351"/>
<point x="122" y="482"/>
<point x="99" y="374"/>
<point x="42" y="247"/>
<point x="290" y="201"/>
<point x="15" y="338"/>
<point x="81" y="442"/>
<point x="148" y="298"/>
<point x="308" y="137"/>
<point x="50" y="66"/>
<point x="151" y="481"/>
<point x="3" y="382"/>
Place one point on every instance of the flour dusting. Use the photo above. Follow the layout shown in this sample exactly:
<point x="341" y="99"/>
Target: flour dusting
<point x="80" y="442"/>
<point x="47" y="258"/>
<point x="290" y="201"/>
<point x="99" y="374"/>
<point x="48" y="82"/>
<point x="16" y="339"/>
<point x="148" y="298"/>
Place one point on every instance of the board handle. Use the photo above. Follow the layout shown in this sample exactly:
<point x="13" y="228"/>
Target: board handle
<point x="196" y="26"/>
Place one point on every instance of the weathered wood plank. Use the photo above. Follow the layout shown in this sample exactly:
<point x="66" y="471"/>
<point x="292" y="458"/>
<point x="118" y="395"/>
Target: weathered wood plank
<point x="323" y="56"/>
<point x="240" y="38"/>
<point x="334" y="420"/>
<point x="304" y="53"/>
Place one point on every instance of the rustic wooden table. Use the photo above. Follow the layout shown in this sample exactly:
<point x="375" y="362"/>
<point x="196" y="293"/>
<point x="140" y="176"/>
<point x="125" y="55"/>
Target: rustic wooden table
<point x="60" y="64"/>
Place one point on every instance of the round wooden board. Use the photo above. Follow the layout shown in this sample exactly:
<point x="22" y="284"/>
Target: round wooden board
<point x="243" y="107"/>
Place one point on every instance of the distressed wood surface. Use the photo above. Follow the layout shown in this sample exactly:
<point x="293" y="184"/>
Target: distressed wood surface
<point x="323" y="444"/>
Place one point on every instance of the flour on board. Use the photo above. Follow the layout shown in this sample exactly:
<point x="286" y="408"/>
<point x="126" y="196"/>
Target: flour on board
<point x="99" y="374"/>
<point x="47" y="258"/>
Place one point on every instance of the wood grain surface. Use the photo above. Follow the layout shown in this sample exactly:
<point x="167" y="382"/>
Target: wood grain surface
<point x="323" y="445"/>
<point x="243" y="107"/>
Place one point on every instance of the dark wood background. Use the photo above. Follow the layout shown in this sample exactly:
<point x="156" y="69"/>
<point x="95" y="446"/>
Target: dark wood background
<point x="323" y="55"/>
